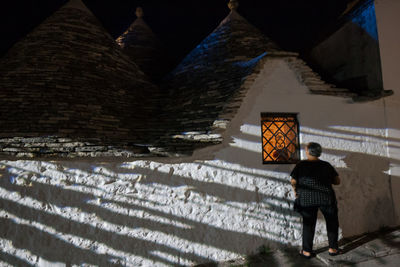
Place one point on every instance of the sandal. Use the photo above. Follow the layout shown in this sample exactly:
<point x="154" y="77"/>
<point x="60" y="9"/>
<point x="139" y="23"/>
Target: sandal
<point x="337" y="252"/>
<point x="305" y="256"/>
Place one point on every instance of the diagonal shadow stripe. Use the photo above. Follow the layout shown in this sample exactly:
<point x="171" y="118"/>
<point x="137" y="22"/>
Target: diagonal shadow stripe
<point x="117" y="241"/>
<point x="222" y="191"/>
<point x="227" y="239"/>
<point x="14" y="261"/>
<point x="50" y="247"/>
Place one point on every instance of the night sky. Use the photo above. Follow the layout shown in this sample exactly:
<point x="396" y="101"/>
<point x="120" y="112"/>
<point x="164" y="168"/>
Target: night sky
<point x="182" y="24"/>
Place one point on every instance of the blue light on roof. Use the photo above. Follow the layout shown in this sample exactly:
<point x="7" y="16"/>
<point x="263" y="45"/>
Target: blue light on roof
<point x="250" y="63"/>
<point x="366" y="19"/>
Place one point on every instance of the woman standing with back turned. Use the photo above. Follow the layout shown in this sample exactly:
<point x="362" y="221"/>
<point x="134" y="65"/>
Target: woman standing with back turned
<point x="312" y="181"/>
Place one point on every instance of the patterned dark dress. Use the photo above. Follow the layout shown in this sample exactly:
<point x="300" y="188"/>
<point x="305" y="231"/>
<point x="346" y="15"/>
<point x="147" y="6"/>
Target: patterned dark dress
<point x="314" y="183"/>
<point x="314" y="189"/>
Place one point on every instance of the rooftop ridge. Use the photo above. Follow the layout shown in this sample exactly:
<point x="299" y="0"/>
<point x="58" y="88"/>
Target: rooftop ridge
<point x="138" y="22"/>
<point x="139" y="12"/>
<point x="78" y="4"/>
<point x="233" y="4"/>
<point x="230" y="29"/>
<point x="143" y="47"/>
<point x="233" y="15"/>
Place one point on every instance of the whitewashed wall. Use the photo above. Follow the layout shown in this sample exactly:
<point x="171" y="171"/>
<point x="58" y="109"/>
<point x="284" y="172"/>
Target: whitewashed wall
<point x="353" y="136"/>
<point x="388" y="22"/>
<point x="217" y="205"/>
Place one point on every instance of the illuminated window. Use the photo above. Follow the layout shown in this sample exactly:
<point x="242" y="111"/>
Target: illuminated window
<point x="280" y="138"/>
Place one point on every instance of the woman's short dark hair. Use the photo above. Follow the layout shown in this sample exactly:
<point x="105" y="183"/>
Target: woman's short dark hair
<point x="314" y="149"/>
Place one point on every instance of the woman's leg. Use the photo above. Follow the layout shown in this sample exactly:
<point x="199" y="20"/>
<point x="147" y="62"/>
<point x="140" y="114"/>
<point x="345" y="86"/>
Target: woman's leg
<point x="309" y="220"/>
<point x="332" y="225"/>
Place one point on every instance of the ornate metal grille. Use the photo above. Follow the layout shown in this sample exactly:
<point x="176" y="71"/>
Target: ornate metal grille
<point x="280" y="138"/>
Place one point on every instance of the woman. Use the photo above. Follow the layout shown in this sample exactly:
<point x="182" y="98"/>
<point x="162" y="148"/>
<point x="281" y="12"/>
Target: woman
<point x="312" y="181"/>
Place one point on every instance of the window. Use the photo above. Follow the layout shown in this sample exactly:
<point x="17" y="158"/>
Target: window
<point x="280" y="138"/>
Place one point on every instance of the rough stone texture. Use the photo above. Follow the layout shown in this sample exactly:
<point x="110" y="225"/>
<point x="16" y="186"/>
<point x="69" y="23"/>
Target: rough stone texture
<point x="314" y="82"/>
<point x="68" y="78"/>
<point x="142" y="46"/>
<point x="52" y="146"/>
<point x="141" y="213"/>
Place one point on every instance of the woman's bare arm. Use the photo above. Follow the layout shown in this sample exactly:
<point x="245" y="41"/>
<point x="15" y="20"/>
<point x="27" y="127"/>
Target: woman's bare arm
<point x="336" y="180"/>
<point x="294" y="183"/>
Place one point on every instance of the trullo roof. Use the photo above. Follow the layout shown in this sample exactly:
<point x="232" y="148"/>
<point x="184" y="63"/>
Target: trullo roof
<point x="143" y="47"/>
<point x="69" y="79"/>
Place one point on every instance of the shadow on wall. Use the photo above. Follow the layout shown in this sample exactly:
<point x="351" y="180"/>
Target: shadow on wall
<point x="364" y="197"/>
<point x="74" y="224"/>
<point x="144" y="212"/>
<point x="14" y="261"/>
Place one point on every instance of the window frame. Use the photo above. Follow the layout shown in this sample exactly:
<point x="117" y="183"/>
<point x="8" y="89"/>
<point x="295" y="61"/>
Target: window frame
<point x="297" y="144"/>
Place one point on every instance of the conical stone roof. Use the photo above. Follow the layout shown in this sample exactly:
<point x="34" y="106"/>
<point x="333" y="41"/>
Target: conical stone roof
<point x="208" y="86"/>
<point x="204" y="84"/>
<point x="235" y="39"/>
<point x="69" y="81"/>
<point x="143" y="47"/>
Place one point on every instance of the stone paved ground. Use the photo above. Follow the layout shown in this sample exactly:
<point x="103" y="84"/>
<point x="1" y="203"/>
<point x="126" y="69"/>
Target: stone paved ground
<point x="380" y="248"/>
<point x="375" y="249"/>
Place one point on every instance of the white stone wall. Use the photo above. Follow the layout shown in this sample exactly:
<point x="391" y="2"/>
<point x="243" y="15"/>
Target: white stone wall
<point x="353" y="136"/>
<point x="140" y="212"/>
<point x="388" y="21"/>
<point x="217" y="205"/>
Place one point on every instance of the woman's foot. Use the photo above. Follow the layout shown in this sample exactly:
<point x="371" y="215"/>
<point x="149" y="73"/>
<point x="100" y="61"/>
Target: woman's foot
<point x="334" y="252"/>
<point x="306" y="254"/>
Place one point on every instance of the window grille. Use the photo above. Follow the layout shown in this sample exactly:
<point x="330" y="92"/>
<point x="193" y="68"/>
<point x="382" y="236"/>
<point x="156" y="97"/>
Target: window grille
<point x="280" y="138"/>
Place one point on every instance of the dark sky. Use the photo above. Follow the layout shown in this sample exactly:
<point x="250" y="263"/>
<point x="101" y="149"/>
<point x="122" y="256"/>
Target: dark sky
<point x="182" y="24"/>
